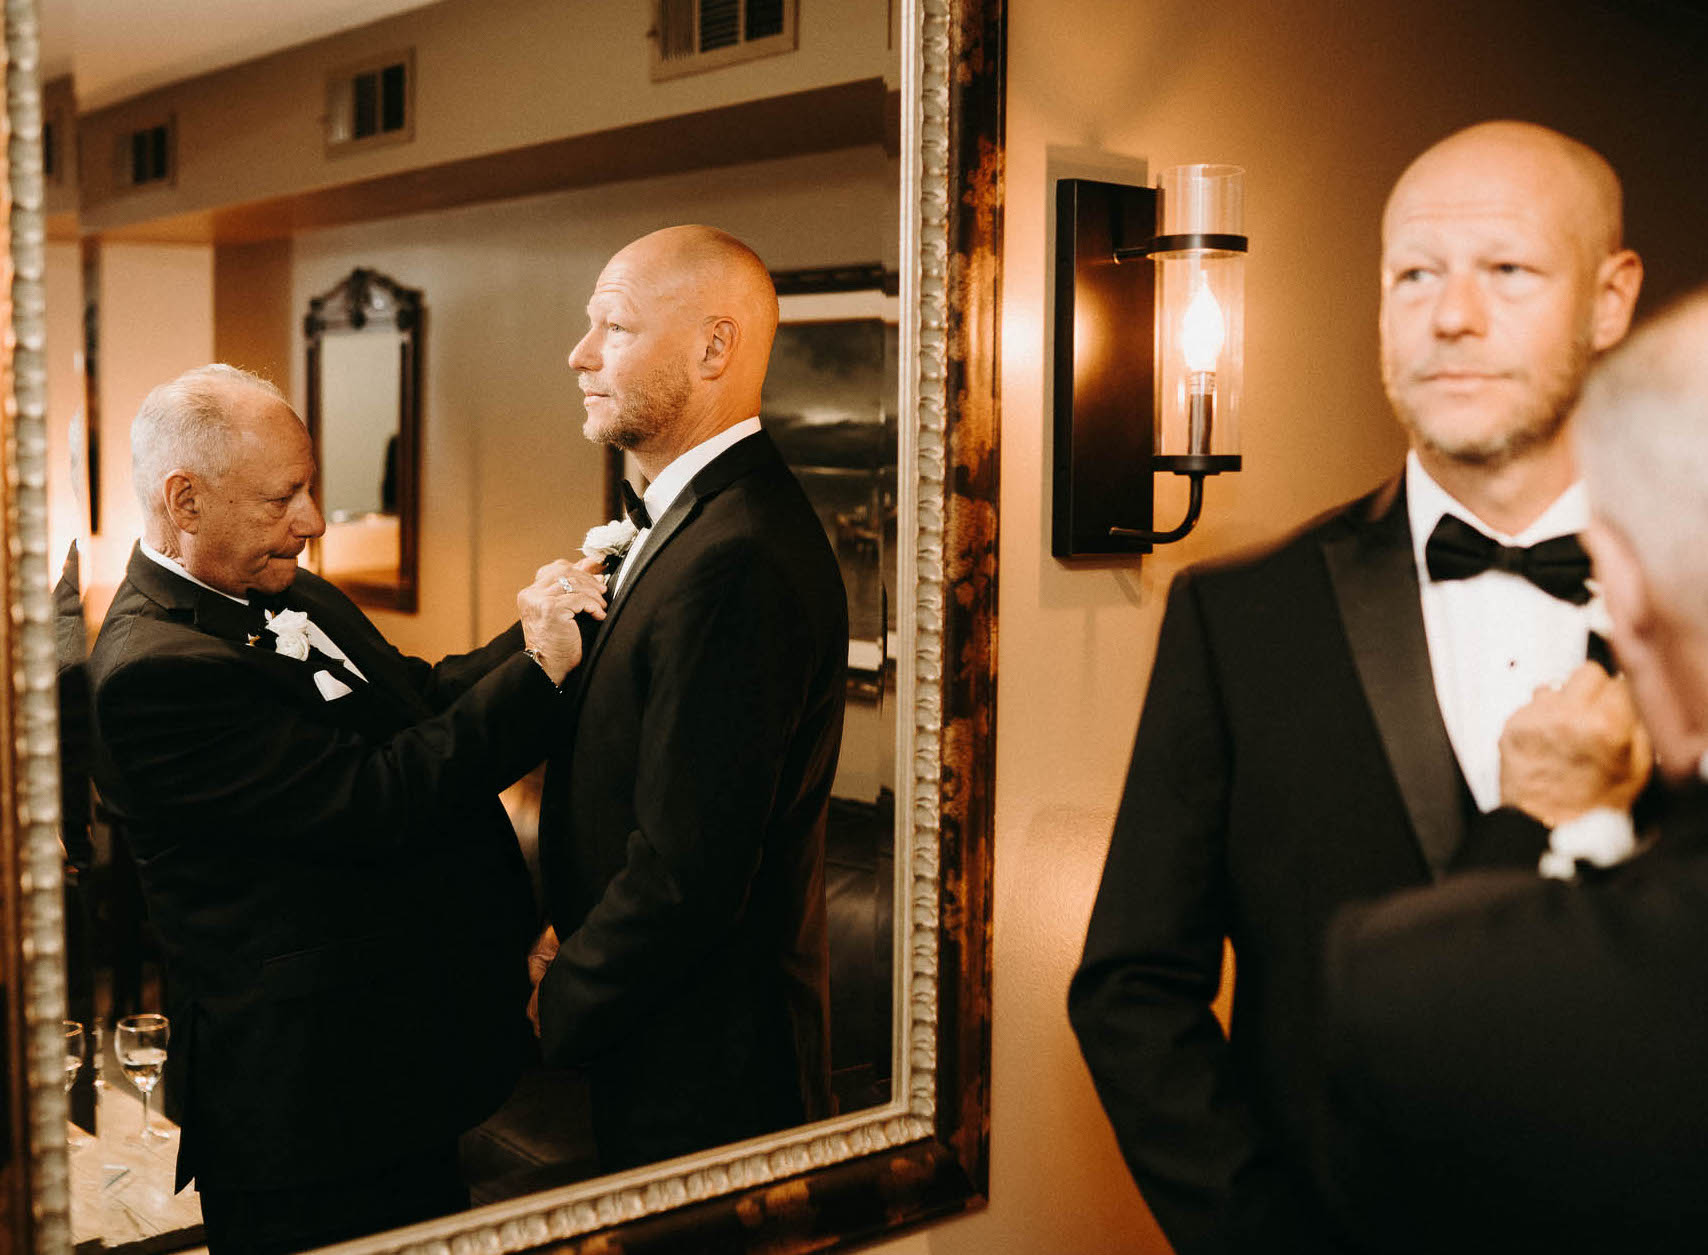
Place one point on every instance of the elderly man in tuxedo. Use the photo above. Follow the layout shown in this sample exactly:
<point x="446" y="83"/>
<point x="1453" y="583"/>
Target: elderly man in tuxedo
<point x="343" y="905"/>
<point x="683" y="815"/>
<point x="1518" y="1059"/>
<point x="1323" y="719"/>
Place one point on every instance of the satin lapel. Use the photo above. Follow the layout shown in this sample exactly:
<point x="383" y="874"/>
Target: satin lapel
<point x="1374" y="576"/>
<point x="231" y="622"/>
<point x="166" y="588"/>
<point x="379" y="681"/>
<point x="686" y="504"/>
<point x="736" y="461"/>
<point x="223" y="618"/>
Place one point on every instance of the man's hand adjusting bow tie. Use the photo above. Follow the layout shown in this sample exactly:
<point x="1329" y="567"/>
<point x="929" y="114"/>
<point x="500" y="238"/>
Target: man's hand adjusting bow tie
<point x="1458" y="551"/>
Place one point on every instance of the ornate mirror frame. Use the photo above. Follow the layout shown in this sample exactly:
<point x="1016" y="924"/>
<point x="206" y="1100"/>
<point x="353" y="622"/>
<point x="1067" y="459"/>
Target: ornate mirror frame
<point x="366" y="299"/>
<point x="827" y="1185"/>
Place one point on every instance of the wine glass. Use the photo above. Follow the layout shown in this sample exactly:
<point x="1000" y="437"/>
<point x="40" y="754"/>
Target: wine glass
<point x="76" y="1042"/>
<point x="74" y="1046"/>
<point x="140" y="1044"/>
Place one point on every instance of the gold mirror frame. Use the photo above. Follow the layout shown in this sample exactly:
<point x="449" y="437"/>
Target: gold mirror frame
<point x="841" y="1181"/>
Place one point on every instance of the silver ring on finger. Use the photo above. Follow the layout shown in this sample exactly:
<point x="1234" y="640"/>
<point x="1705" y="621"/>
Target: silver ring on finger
<point x="563" y="583"/>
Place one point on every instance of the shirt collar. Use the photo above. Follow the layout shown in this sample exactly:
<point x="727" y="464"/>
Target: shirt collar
<point x="1427" y="501"/>
<point x="178" y="568"/>
<point x="663" y="491"/>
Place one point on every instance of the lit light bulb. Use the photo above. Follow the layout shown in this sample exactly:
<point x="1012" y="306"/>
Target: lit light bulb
<point x="1201" y="339"/>
<point x="1201" y="332"/>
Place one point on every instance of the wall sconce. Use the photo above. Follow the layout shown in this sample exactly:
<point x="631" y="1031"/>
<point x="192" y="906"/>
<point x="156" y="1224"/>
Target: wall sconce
<point x="1150" y="351"/>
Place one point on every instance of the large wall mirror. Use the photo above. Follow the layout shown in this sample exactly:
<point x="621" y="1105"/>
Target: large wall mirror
<point x="910" y="498"/>
<point x="364" y="412"/>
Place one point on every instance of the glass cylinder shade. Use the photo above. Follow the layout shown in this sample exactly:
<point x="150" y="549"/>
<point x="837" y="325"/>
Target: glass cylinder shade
<point x="1200" y="316"/>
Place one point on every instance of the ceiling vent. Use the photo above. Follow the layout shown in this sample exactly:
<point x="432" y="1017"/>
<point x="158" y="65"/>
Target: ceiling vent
<point x="147" y="156"/>
<point x="689" y="36"/>
<point x="371" y="103"/>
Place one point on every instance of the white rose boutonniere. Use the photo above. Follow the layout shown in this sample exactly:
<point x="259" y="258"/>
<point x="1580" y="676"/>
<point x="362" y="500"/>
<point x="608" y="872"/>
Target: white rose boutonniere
<point x="291" y="627"/>
<point x="609" y="540"/>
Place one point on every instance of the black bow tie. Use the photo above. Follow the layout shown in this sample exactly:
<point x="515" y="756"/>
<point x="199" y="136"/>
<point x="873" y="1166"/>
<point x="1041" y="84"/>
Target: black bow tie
<point x="635" y="508"/>
<point x="1457" y="551"/>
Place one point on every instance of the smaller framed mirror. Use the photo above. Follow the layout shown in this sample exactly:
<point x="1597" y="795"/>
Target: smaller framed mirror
<point x="364" y="414"/>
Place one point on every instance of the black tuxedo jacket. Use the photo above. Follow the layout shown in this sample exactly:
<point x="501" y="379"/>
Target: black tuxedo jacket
<point x="1518" y="1062"/>
<point x="1291" y="757"/>
<point x="682" y="824"/>
<point x="343" y="906"/>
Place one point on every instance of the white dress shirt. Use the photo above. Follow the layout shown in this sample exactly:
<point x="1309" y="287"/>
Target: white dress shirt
<point x="661" y="494"/>
<point x="1496" y="637"/>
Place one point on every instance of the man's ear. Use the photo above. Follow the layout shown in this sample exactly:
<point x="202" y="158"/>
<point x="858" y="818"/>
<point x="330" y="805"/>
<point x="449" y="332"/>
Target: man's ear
<point x="721" y="336"/>
<point x="1617" y="281"/>
<point x="183" y="502"/>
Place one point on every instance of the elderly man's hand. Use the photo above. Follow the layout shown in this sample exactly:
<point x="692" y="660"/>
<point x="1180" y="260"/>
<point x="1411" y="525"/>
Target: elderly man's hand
<point x="560" y="591"/>
<point x="1574" y="749"/>
<point x="539" y="960"/>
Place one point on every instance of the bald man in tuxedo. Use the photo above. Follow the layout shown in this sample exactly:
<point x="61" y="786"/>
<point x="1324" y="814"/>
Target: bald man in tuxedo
<point x="683" y="818"/>
<point x="1323" y="720"/>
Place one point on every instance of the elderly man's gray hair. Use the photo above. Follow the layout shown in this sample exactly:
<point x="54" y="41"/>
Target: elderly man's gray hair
<point x="1642" y="436"/>
<point x="183" y="426"/>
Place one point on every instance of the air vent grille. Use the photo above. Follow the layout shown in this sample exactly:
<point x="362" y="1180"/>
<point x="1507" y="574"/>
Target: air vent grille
<point x="694" y="35"/>
<point x="146" y="156"/>
<point x="371" y="103"/>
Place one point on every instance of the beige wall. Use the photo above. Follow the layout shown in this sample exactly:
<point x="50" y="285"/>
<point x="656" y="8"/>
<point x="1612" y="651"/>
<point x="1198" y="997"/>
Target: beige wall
<point x="253" y="314"/>
<point x="156" y="321"/>
<point x="508" y="480"/>
<point x="59" y="107"/>
<point x="490" y="75"/>
<point x="67" y="503"/>
<point x="1322" y="104"/>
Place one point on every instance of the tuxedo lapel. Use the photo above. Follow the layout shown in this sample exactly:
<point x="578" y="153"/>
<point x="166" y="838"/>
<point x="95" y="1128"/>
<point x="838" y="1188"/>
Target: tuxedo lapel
<point x="1374" y="575"/>
<point x="244" y="625"/>
<point x="380" y="681"/>
<point x="736" y="461"/>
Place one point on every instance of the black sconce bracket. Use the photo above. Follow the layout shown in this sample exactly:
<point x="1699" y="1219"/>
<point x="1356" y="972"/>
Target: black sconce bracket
<point x="1194" y="504"/>
<point x="1105" y="321"/>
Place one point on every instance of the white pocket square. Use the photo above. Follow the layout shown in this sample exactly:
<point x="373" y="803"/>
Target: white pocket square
<point x="330" y="686"/>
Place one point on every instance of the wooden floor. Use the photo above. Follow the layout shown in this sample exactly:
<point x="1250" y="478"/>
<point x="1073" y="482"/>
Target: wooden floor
<point x="121" y="1188"/>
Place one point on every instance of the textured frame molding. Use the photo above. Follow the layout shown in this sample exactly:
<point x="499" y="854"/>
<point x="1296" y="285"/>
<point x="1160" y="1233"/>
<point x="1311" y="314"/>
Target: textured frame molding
<point x="836" y="1183"/>
<point x="29" y="776"/>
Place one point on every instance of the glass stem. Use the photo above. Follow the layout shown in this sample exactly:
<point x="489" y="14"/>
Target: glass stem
<point x="146" y="1095"/>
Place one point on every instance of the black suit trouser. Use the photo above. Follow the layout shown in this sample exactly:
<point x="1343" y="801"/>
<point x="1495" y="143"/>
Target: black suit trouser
<point x="277" y="1221"/>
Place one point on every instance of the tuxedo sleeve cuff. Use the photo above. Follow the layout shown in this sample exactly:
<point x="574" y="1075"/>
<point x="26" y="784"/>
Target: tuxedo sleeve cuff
<point x="542" y="677"/>
<point x="1602" y="837"/>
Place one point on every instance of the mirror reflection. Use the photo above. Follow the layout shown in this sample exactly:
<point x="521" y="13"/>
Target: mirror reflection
<point x="506" y="258"/>
<point x="364" y="416"/>
<point x="830" y="404"/>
